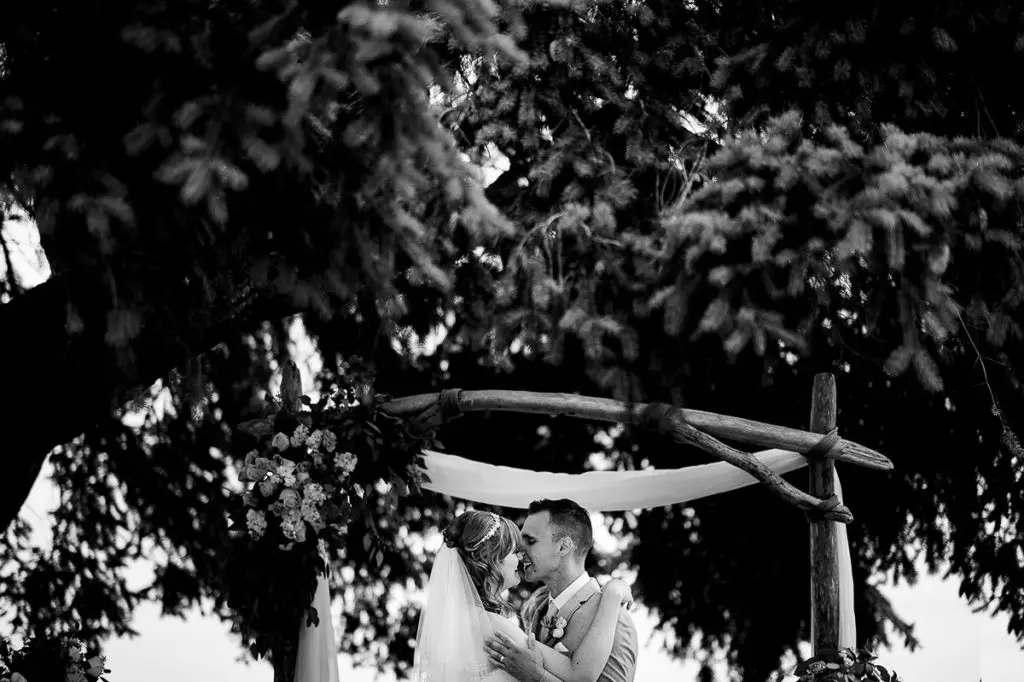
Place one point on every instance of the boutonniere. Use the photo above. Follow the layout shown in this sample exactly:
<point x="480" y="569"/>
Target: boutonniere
<point x="556" y="625"/>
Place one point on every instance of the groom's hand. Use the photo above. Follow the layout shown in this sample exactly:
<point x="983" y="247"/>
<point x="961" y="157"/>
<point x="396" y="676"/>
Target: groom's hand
<point x="525" y="665"/>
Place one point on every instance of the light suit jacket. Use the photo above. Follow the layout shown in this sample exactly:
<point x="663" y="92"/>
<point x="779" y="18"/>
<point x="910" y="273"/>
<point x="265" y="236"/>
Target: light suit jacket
<point x="579" y="612"/>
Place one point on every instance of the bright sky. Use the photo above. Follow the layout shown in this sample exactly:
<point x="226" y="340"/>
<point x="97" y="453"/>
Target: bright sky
<point x="957" y="644"/>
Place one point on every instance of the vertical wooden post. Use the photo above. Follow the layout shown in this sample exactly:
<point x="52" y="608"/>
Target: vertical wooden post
<point x="824" y="556"/>
<point x="282" y="658"/>
<point x="284" y="652"/>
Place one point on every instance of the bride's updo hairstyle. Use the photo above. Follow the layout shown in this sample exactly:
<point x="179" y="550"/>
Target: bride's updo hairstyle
<point x="484" y="540"/>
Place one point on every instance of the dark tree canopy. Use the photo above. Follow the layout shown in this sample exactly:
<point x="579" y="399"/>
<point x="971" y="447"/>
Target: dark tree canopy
<point x="705" y="204"/>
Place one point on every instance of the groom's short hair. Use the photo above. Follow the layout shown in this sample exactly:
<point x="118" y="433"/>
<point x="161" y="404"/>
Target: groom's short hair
<point x="570" y="520"/>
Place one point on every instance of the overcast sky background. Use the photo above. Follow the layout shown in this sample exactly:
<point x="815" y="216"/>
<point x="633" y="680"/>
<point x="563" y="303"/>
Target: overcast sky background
<point x="957" y="645"/>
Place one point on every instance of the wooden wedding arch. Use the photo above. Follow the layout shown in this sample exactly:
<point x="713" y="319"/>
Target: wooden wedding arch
<point x="821" y="445"/>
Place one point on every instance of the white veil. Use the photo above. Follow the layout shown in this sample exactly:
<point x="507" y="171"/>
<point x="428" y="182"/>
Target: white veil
<point x="453" y="625"/>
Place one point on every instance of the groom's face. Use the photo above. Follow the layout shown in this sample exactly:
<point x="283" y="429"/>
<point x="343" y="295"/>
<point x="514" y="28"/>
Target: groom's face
<point x="541" y="557"/>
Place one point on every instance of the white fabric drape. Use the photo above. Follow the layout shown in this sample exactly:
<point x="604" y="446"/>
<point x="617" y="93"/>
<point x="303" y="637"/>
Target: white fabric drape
<point x="317" y="657"/>
<point x="847" y="622"/>
<point x="600" y="491"/>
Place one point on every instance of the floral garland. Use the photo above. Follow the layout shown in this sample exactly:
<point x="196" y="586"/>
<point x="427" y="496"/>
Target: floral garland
<point x="51" y="661"/>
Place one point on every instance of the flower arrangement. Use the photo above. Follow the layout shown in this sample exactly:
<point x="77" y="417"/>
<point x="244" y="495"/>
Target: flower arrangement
<point x="322" y="478"/>
<point x="308" y="477"/>
<point x="556" y="626"/>
<point x="300" y="483"/>
<point x="844" y="666"/>
<point x="51" y="661"/>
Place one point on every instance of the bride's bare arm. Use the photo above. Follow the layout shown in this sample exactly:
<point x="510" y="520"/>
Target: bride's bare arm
<point x="591" y="656"/>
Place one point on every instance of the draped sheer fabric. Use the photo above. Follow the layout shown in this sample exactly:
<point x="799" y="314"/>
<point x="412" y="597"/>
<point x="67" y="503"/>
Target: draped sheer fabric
<point x="602" y="491"/>
<point x="599" y="491"/>
<point x="317" y="657"/>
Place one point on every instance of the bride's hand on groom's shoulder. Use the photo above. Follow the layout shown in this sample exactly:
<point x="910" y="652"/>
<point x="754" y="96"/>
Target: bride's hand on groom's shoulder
<point x="617" y="589"/>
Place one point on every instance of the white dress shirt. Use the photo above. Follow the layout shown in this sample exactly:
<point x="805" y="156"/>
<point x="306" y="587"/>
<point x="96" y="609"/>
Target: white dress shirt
<point x="568" y="593"/>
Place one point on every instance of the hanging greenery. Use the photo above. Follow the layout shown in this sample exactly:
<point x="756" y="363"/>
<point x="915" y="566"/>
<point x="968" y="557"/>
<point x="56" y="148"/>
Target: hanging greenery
<point x="51" y="660"/>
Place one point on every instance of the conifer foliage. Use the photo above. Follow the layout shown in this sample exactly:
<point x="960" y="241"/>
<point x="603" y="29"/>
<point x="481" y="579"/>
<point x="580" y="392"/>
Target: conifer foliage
<point x="704" y="203"/>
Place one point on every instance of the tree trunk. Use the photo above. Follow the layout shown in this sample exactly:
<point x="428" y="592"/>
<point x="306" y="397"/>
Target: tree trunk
<point x="57" y="383"/>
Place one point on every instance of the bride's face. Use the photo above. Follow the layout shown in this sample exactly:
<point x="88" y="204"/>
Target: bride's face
<point x="510" y="571"/>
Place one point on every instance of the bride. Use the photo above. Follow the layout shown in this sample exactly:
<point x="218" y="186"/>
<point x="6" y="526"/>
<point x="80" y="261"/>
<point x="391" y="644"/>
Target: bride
<point x="466" y="604"/>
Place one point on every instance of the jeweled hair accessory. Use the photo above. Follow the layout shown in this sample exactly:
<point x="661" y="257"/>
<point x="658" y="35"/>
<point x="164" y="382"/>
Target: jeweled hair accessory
<point x="491" y="530"/>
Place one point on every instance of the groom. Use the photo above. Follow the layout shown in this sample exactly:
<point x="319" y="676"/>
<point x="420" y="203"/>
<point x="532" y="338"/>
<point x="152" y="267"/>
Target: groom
<point x="557" y="536"/>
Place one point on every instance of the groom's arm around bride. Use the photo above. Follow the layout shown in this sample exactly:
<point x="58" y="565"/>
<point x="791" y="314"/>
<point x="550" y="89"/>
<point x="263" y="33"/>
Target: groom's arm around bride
<point x="557" y="536"/>
<point x="526" y="664"/>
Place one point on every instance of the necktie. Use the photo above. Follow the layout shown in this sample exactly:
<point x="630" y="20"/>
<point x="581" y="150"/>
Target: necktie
<point x="541" y="631"/>
<point x="550" y="611"/>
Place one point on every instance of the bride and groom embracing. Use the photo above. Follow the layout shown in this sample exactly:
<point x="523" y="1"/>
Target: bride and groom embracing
<point x="571" y="629"/>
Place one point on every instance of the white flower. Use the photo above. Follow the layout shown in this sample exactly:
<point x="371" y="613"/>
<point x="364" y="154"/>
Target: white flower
<point x="254" y="469"/>
<point x="288" y="528"/>
<point x="557" y="625"/>
<point x="290" y="498"/>
<point x="315" y="439"/>
<point x="286" y="470"/>
<point x="314" y="492"/>
<point x="330" y="441"/>
<point x="269" y="485"/>
<point x="309" y="513"/>
<point x="300" y="436"/>
<point x="345" y="462"/>
<point x="293" y="527"/>
<point x="256" y="520"/>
